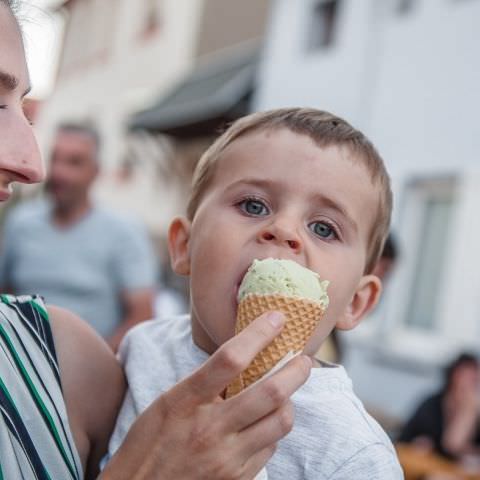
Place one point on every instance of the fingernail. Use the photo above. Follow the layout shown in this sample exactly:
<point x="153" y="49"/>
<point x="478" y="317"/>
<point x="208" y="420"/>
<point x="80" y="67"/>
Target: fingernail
<point x="277" y="319"/>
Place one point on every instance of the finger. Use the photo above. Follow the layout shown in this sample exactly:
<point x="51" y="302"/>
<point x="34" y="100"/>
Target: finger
<point x="206" y="383"/>
<point x="267" y="395"/>
<point x="267" y="432"/>
<point x="257" y="462"/>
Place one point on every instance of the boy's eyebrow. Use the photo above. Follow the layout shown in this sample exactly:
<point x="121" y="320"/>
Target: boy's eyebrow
<point x="333" y="205"/>
<point x="10" y="82"/>
<point x="256" y="182"/>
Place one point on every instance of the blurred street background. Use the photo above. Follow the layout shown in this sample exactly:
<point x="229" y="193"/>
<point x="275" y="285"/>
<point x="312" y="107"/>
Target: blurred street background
<point x="158" y="78"/>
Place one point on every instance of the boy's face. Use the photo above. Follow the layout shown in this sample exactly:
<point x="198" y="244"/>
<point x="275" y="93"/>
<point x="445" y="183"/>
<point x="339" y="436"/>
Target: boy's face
<point x="277" y="194"/>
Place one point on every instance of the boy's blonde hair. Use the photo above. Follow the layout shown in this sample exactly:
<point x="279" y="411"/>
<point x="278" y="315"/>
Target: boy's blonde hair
<point x="325" y="130"/>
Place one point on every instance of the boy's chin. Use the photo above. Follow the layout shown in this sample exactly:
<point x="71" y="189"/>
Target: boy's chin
<point x="313" y="345"/>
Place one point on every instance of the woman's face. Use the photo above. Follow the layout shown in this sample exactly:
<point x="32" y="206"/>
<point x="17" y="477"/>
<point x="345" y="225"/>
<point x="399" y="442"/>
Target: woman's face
<point x="19" y="155"/>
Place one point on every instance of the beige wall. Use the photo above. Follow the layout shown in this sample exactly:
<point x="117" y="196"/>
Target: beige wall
<point x="225" y="23"/>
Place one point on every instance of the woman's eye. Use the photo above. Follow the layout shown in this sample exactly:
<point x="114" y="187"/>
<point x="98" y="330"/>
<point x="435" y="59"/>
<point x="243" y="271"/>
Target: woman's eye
<point x="323" y="230"/>
<point x="254" y="207"/>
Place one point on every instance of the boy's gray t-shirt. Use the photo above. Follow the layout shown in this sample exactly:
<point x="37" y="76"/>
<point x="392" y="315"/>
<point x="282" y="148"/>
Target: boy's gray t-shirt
<point x="84" y="268"/>
<point x="333" y="436"/>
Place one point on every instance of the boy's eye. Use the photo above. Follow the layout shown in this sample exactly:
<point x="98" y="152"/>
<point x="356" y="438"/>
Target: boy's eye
<point x="323" y="230"/>
<point x="254" y="207"/>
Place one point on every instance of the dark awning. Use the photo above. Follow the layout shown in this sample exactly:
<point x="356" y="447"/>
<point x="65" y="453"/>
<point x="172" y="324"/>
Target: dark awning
<point x="213" y="94"/>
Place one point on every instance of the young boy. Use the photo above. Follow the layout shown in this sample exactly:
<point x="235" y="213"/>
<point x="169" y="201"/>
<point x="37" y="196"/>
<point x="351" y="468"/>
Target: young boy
<point x="295" y="184"/>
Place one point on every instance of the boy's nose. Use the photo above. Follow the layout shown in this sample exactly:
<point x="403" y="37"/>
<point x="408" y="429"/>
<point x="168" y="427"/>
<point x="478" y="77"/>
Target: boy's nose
<point x="278" y="235"/>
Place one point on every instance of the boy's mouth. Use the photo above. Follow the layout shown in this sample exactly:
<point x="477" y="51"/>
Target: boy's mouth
<point x="237" y="288"/>
<point x="239" y="282"/>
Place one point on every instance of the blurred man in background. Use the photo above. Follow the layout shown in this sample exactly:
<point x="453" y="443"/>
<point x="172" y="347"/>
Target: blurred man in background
<point x="76" y="254"/>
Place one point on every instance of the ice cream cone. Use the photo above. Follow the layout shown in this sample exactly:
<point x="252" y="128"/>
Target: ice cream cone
<point x="302" y="316"/>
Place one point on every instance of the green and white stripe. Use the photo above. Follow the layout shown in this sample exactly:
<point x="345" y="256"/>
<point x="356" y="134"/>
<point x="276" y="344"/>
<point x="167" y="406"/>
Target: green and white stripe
<point x="35" y="439"/>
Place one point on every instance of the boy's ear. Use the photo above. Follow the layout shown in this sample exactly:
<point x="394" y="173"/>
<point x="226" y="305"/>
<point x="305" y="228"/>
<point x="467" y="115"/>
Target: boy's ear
<point x="365" y="298"/>
<point x="178" y="245"/>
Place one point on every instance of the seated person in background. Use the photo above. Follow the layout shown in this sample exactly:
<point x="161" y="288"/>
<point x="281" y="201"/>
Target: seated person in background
<point x="447" y="422"/>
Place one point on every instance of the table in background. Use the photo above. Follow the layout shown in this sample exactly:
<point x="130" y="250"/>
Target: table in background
<point x="417" y="463"/>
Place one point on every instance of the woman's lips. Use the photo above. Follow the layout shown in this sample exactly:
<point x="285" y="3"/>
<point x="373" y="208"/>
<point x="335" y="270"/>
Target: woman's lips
<point x="4" y="195"/>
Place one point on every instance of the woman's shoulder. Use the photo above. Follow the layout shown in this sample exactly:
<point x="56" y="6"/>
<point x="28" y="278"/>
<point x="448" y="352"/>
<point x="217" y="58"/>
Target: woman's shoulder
<point x="86" y="361"/>
<point x="92" y="380"/>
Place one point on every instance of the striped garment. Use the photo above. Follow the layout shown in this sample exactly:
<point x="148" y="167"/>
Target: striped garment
<point x="35" y="437"/>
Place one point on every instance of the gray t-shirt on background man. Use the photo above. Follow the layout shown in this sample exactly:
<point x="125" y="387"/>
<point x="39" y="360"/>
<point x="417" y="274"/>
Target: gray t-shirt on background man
<point x="333" y="436"/>
<point x="84" y="268"/>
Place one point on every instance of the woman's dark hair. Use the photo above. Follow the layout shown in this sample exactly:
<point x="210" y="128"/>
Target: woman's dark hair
<point x="464" y="358"/>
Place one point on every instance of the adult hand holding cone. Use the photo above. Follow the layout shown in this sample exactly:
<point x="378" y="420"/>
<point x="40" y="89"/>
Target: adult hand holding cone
<point x="287" y="287"/>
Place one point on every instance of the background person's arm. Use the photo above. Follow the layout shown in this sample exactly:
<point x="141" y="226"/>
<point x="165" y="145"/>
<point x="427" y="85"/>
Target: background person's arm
<point x="137" y="306"/>
<point x="134" y="272"/>
<point x="190" y="432"/>
<point x="461" y="421"/>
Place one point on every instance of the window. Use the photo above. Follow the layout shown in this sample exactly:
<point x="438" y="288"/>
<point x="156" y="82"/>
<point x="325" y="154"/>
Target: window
<point x="323" y="23"/>
<point x="404" y="7"/>
<point x="435" y="202"/>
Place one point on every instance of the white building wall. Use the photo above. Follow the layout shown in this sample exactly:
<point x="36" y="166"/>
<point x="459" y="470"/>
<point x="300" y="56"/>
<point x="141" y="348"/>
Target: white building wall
<point x="331" y="79"/>
<point x="397" y="76"/>
<point x="427" y="95"/>
<point x="410" y="81"/>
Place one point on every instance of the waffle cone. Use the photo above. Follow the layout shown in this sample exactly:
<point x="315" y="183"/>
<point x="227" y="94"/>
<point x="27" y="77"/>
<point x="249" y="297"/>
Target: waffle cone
<point x="302" y="316"/>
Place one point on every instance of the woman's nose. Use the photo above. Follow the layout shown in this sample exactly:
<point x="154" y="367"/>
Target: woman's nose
<point x="28" y="170"/>
<point x="23" y="157"/>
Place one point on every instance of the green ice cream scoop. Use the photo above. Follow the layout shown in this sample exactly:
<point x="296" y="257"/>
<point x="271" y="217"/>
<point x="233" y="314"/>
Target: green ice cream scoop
<point x="283" y="277"/>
